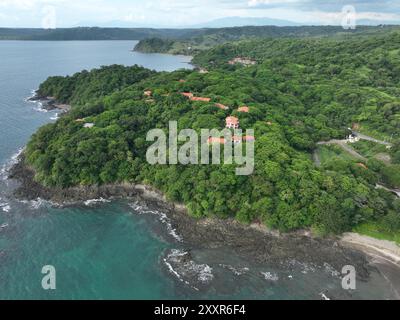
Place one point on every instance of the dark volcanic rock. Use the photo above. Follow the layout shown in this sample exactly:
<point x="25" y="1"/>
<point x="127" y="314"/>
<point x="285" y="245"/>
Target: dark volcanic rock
<point x="250" y="243"/>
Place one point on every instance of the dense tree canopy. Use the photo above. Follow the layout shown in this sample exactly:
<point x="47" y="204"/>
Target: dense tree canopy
<point x="300" y="92"/>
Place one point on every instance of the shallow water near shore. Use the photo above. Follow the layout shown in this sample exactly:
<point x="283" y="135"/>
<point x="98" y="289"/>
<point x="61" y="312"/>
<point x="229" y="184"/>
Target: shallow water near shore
<point x="120" y="249"/>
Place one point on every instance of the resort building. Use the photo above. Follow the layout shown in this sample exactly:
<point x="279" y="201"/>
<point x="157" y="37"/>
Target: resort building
<point x="88" y="125"/>
<point x="215" y="140"/>
<point x="200" y="99"/>
<point x="243" y="61"/>
<point x="362" y="165"/>
<point x="148" y="93"/>
<point x="353" y="139"/>
<point x="187" y="94"/>
<point x="244" y="109"/>
<point x="237" y="140"/>
<point x="232" y="123"/>
<point x="249" y="138"/>
<point x="221" y="106"/>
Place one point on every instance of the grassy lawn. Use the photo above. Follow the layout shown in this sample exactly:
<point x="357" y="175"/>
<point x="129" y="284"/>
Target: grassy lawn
<point x="369" y="149"/>
<point x="371" y="229"/>
<point x="329" y="153"/>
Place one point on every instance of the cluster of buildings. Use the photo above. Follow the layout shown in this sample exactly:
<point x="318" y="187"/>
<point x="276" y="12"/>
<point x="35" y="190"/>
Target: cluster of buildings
<point x="231" y="122"/>
<point x="243" y="61"/>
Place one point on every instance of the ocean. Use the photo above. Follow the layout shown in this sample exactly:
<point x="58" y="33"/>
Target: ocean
<point x="116" y="249"/>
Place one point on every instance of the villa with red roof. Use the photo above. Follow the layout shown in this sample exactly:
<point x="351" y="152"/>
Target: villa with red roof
<point x="215" y="140"/>
<point x="187" y="94"/>
<point x="249" y="138"/>
<point x="221" y="106"/>
<point x="200" y="99"/>
<point x="232" y="123"/>
<point x="237" y="139"/>
<point x="244" y="109"/>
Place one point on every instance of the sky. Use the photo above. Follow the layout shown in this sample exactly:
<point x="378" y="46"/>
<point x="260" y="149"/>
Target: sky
<point x="184" y="13"/>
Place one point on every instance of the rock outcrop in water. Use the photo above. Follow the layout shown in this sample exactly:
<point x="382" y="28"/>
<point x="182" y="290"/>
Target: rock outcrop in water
<point x="49" y="103"/>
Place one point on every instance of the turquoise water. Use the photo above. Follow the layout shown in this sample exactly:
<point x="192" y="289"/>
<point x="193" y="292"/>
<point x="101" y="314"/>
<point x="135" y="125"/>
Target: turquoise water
<point x="115" y="250"/>
<point x="101" y="252"/>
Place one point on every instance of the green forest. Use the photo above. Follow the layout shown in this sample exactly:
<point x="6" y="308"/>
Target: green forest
<point x="300" y="92"/>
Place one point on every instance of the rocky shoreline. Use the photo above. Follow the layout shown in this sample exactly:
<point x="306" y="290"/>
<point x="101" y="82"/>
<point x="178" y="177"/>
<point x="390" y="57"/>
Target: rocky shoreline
<point x="49" y="103"/>
<point x="250" y="242"/>
<point x="254" y="243"/>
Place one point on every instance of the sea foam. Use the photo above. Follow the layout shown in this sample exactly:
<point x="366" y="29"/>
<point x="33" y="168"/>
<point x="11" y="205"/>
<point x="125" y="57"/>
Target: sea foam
<point x="162" y="217"/>
<point x="9" y="164"/>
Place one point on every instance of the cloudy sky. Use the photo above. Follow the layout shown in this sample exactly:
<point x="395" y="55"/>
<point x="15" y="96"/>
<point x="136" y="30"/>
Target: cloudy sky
<point x="180" y="13"/>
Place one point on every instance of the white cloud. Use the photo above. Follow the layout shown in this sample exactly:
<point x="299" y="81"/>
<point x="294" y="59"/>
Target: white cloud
<point x="254" y="3"/>
<point x="29" y="13"/>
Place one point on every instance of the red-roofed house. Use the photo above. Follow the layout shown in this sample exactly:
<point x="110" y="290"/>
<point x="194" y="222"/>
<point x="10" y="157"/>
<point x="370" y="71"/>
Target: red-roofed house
<point x="362" y="165"/>
<point x="200" y="99"/>
<point x="232" y="123"/>
<point x="187" y="94"/>
<point x="237" y="139"/>
<point x="221" y="106"/>
<point x="215" y="140"/>
<point x="249" y="138"/>
<point x="244" y="109"/>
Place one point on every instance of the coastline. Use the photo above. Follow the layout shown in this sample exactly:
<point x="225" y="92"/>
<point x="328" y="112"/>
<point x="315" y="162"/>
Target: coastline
<point x="379" y="249"/>
<point x="49" y="103"/>
<point x="254" y="242"/>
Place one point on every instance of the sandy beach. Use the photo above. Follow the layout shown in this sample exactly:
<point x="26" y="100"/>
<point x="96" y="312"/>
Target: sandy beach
<point x="384" y="255"/>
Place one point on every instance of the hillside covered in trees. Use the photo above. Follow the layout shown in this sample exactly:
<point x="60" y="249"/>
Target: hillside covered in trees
<point x="299" y="92"/>
<point x="195" y="42"/>
<point x="196" y="35"/>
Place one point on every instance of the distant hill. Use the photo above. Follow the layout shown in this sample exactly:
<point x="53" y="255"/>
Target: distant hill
<point x="208" y="38"/>
<point x="241" y="22"/>
<point x="205" y="36"/>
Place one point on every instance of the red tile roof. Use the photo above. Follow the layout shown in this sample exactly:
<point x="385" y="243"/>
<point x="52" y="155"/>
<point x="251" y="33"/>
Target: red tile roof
<point x="362" y="165"/>
<point x="232" y="120"/>
<point x="244" y="109"/>
<point x="212" y="140"/>
<point x="187" y="94"/>
<point x="237" y="139"/>
<point x="249" y="138"/>
<point x="221" y="106"/>
<point x="200" y="99"/>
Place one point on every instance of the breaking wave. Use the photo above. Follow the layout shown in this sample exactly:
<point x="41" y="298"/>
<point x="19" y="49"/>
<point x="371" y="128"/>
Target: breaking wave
<point x="5" y="207"/>
<point x="8" y="165"/>
<point x="162" y="217"/>
<point x="270" y="276"/>
<point x="93" y="202"/>
<point x="182" y="267"/>
<point x="235" y="271"/>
